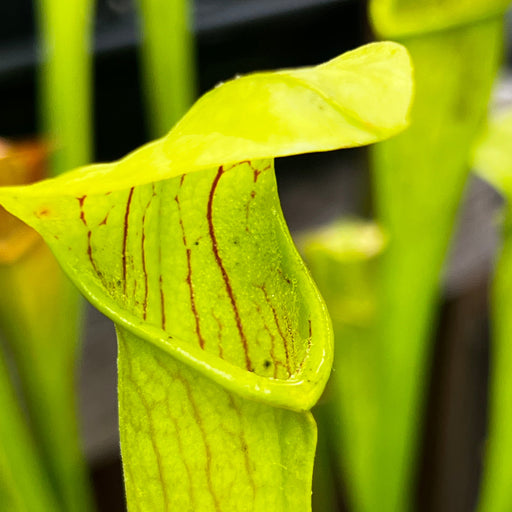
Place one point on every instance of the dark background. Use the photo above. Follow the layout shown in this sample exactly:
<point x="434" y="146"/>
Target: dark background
<point x="235" y="37"/>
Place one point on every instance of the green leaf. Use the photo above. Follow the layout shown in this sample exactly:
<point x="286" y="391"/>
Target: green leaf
<point x="405" y="18"/>
<point x="493" y="162"/>
<point x="193" y="445"/>
<point x="212" y="303"/>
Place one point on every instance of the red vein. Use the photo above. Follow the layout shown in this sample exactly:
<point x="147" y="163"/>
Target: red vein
<point x="256" y="171"/>
<point x="162" y="302"/>
<point x="145" y="272"/>
<point x="280" y="272"/>
<point x="281" y="334"/>
<point x="125" y="235"/>
<point x="104" y="221"/>
<point x="143" y="256"/>
<point x="189" y="276"/>
<point x="256" y="174"/>
<point x="81" y="201"/>
<point x="220" y="264"/>
<point x="160" y="278"/>
<point x="89" y="252"/>
<point x="220" y="327"/>
<point x="273" y="356"/>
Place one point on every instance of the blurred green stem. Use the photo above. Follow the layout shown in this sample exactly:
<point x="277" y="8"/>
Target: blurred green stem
<point x="40" y="315"/>
<point x="419" y="177"/>
<point x="167" y="62"/>
<point x="495" y="494"/>
<point x="24" y="483"/>
<point x="43" y="321"/>
<point x="493" y="162"/>
<point x="342" y="258"/>
<point x="65" y="80"/>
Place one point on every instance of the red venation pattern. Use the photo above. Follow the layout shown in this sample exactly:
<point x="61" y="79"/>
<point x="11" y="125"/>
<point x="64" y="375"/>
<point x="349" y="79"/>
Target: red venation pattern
<point x="220" y="264"/>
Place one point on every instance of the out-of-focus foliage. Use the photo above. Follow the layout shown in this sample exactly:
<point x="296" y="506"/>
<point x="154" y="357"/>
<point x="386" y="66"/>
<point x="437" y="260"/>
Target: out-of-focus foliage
<point x="40" y="310"/>
<point x="65" y="83"/>
<point x="405" y="18"/>
<point x="343" y="259"/>
<point x="167" y="54"/>
<point x="418" y="180"/>
<point x="493" y="162"/>
<point x="39" y="320"/>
